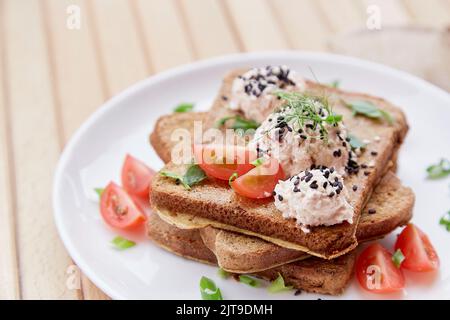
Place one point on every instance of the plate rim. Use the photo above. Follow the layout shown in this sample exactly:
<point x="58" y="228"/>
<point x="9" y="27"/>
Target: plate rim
<point x="106" y="107"/>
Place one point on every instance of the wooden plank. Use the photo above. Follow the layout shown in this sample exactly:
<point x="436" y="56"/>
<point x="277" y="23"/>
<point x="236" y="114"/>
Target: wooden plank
<point x="122" y="55"/>
<point x="72" y="54"/>
<point x="433" y="13"/>
<point x="163" y="34"/>
<point x="208" y="28"/>
<point x="302" y="22"/>
<point x="343" y="15"/>
<point x="9" y="277"/>
<point x="43" y="260"/>
<point x="256" y="26"/>
<point x="393" y="12"/>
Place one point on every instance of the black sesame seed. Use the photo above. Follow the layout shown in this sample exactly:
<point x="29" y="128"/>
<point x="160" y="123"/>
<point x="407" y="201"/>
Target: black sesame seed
<point x="314" y="185"/>
<point x="325" y="184"/>
<point x="364" y="166"/>
<point x="331" y="169"/>
<point x="297" y="292"/>
<point x="338" y="191"/>
<point x="270" y="120"/>
<point x="274" y="193"/>
<point x="337" y="153"/>
<point x="372" y="211"/>
<point x="331" y="194"/>
<point x="308" y="178"/>
<point x="366" y="173"/>
<point x="326" y="174"/>
<point x="224" y="98"/>
<point x="374" y="153"/>
<point x="355" y="187"/>
<point x="280" y="197"/>
<point x="296" y="182"/>
<point x="296" y="189"/>
<point x="303" y="137"/>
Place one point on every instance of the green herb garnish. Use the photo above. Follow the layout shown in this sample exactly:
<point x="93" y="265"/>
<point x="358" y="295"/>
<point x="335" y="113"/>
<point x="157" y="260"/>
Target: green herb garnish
<point x="312" y="111"/>
<point x="223" y="274"/>
<point x="335" y="84"/>
<point x="232" y="178"/>
<point x="445" y="221"/>
<point x="238" y="124"/>
<point x="184" y="107"/>
<point x="368" y="109"/>
<point x="121" y="243"/>
<point x="194" y="174"/>
<point x="257" y="162"/>
<point x="440" y="170"/>
<point x="398" y="258"/>
<point x="99" y="191"/>
<point x="249" y="281"/>
<point x="355" y="143"/>
<point x="278" y="285"/>
<point x="208" y="290"/>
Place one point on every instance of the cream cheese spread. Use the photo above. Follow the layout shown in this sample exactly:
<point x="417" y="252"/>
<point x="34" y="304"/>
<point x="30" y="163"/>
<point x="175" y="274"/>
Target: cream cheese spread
<point x="251" y="91"/>
<point x="313" y="198"/>
<point x="300" y="146"/>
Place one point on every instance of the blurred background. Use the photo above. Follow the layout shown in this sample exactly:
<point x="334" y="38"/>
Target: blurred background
<point x="61" y="59"/>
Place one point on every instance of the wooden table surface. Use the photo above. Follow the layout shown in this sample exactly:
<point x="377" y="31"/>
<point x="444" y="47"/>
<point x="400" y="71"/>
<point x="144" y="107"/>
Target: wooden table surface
<point x="53" y="77"/>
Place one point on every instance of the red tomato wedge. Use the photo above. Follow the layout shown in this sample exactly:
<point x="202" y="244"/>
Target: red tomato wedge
<point x="136" y="177"/>
<point x="376" y="272"/>
<point x="259" y="182"/>
<point x="118" y="209"/>
<point x="420" y="256"/>
<point x="221" y="161"/>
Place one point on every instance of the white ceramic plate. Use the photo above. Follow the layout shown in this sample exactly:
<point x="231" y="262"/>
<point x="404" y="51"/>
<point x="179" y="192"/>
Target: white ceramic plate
<point x="95" y="154"/>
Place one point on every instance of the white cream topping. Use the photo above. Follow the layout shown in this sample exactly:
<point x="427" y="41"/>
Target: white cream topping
<point x="251" y="92"/>
<point x="298" y="148"/>
<point x="314" y="197"/>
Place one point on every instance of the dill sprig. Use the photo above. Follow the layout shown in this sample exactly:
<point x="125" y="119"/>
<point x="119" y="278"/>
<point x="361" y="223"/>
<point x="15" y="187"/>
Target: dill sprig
<point x="304" y="109"/>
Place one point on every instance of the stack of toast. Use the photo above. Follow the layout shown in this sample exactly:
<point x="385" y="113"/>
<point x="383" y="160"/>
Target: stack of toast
<point x="212" y="224"/>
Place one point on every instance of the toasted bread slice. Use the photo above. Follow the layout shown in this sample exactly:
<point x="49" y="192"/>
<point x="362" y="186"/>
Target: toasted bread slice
<point x="392" y="202"/>
<point x="311" y="275"/>
<point x="263" y="219"/>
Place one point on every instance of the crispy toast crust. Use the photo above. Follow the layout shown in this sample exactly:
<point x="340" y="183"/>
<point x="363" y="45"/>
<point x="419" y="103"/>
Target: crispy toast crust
<point x="311" y="275"/>
<point x="242" y="254"/>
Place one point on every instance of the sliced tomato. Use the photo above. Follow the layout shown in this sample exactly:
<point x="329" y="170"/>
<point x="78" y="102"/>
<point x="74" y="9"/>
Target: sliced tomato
<point x="118" y="209"/>
<point x="221" y="161"/>
<point x="419" y="253"/>
<point x="136" y="177"/>
<point x="376" y="272"/>
<point x="259" y="182"/>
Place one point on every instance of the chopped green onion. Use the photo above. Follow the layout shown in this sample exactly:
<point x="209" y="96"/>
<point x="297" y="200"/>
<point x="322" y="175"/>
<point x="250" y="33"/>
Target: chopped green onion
<point x="258" y="162"/>
<point x="223" y="274"/>
<point x="249" y="281"/>
<point x="278" y="285"/>
<point x="398" y="258"/>
<point x="355" y="143"/>
<point x="335" y="84"/>
<point x="208" y="290"/>
<point x="121" y="243"/>
<point x="184" y="107"/>
<point x="194" y="174"/>
<point x="238" y="124"/>
<point x="445" y="221"/>
<point x="368" y="109"/>
<point x="439" y="170"/>
<point x="99" y="191"/>
<point x="232" y="178"/>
